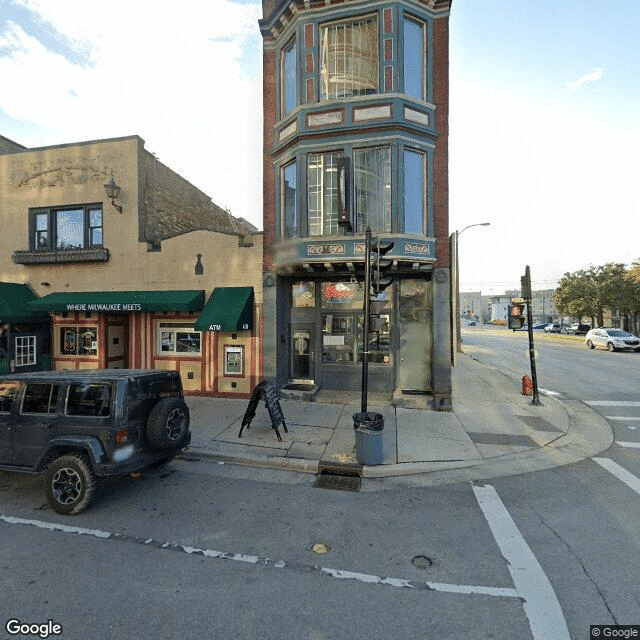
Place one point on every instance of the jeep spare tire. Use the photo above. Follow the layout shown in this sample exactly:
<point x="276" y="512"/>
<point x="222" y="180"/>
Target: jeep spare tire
<point x="168" y="424"/>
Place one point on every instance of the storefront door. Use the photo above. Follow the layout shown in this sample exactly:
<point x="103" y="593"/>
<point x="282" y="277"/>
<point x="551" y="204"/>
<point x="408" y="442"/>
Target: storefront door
<point x="302" y="353"/>
<point x="117" y="342"/>
<point x="415" y="333"/>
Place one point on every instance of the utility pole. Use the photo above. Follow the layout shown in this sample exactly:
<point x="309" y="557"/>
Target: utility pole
<point x="367" y="316"/>
<point x="525" y="282"/>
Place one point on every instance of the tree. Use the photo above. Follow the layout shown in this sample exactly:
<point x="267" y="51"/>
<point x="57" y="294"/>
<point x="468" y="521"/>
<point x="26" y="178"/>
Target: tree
<point x="588" y="292"/>
<point x="632" y="295"/>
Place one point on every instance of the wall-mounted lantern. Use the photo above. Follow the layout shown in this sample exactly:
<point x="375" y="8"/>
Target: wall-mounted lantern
<point x="113" y="191"/>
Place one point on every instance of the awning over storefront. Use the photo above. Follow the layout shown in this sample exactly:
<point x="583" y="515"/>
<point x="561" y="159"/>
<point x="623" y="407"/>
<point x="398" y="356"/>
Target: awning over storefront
<point x="228" y="309"/>
<point x="14" y="304"/>
<point x="121" y="301"/>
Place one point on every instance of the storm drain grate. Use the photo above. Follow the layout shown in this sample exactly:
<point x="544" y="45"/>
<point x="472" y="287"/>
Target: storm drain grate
<point x="538" y="424"/>
<point x="337" y="482"/>
<point x="503" y="438"/>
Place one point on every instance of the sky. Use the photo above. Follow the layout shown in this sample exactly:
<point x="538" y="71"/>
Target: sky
<point x="544" y="134"/>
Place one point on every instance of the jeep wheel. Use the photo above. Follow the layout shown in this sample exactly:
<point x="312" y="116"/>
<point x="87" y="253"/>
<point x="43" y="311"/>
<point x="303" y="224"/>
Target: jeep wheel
<point x="168" y="424"/>
<point x="70" y="484"/>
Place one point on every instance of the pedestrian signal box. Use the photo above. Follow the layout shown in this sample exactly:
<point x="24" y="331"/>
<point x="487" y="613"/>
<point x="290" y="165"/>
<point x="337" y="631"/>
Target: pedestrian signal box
<point x="517" y="315"/>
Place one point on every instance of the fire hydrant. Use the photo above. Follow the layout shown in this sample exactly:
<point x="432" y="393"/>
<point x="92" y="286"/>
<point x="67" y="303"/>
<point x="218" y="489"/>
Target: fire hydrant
<point x="527" y="386"/>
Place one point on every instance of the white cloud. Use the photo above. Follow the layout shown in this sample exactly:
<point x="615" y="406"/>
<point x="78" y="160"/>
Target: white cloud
<point x="592" y="76"/>
<point x="175" y="75"/>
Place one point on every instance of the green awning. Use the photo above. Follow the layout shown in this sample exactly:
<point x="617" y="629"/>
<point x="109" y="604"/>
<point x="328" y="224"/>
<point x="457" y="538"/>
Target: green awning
<point x="14" y="304"/>
<point x="228" y="309"/>
<point x="121" y="301"/>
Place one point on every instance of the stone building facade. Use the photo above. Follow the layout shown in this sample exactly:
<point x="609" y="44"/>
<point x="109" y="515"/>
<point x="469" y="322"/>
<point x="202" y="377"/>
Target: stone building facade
<point x="158" y="277"/>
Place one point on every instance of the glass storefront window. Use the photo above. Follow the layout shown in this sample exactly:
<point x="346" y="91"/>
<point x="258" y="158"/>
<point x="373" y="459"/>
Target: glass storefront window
<point x="338" y="337"/>
<point x="414" y="301"/>
<point x="303" y="294"/>
<point x="379" y="341"/>
<point x="342" y="295"/>
<point x="175" y="339"/>
<point x="78" y="341"/>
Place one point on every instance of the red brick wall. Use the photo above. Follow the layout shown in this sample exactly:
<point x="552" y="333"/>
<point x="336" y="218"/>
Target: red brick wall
<point x="441" y="156"/>
<point x="268" y="182"/>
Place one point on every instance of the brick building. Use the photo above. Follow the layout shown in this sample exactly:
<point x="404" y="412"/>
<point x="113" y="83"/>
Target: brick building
<point x="355" y="135"/>
<point x="157" y="277"/>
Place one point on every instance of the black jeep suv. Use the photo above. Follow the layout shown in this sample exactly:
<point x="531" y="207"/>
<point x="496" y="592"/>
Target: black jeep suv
<point x="80" y="426"/>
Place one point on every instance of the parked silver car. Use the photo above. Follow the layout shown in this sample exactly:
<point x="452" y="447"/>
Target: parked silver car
<point x="611" y="339"/>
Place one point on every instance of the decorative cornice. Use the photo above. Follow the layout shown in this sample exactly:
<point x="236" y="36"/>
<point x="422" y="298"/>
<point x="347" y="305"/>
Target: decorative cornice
<point x="285" y="11"/>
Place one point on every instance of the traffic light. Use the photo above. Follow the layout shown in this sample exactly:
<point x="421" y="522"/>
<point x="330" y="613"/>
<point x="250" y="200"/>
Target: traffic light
<point x="380" y="275"/>
<point x="376" y="321"/>
<point x="516" y="315"/>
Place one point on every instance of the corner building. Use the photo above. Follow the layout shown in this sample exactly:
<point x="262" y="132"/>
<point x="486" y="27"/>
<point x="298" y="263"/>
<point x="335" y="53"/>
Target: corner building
<point x="355" y="135"/>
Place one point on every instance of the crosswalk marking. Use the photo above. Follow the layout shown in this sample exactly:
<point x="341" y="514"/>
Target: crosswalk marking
<point x="631" y="445"/>
<point x="539" y="599"/>
<point x="613" y="403"/>
<point x="619" y="472"/>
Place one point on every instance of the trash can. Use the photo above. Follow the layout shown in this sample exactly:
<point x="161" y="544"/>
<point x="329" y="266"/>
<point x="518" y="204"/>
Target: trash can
<point x="368" y="427"/>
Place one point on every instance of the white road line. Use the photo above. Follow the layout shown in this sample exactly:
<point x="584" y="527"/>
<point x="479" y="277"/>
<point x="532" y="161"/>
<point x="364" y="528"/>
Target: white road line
<point x="619" y="472"/>
<point x="548" y="392"/>
<point x="631" y="445"/>
<point x="539" y="600"/>
<point x="614" y="403"/>
<point x="629" y="418"/>
<point x="504" y="592"/>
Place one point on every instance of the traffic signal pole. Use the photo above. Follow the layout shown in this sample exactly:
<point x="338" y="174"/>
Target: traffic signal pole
<point x="526" y="294"/>
<point x="367" y="316"/>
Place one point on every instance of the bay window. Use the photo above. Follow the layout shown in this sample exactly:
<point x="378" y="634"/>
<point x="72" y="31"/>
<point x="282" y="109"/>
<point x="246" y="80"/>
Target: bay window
<point x="372" y="182"/>
<point x="288" y="85"/>
<point x="349" y="59"/>
<point x="415" y="58"/>
<point x="414" y="191"/>
<point x="322" y="188"/>
<point x="289" y="202"/>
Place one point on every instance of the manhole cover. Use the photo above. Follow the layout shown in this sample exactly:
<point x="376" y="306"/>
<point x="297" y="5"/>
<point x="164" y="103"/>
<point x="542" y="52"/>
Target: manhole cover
<point x="422" y="562"/>
<point x="337" y="482"/>
<point x="503" y="438"/>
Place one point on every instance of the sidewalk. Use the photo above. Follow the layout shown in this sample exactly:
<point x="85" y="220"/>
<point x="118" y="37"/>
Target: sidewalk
<point x="492" y="431"/>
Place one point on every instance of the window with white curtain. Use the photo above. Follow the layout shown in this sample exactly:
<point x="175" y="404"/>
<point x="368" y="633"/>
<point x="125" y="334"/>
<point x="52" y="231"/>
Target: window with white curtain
<point x="350" y="60"/>
<point x="372" y="182"/>
<point x="322" y="188"/>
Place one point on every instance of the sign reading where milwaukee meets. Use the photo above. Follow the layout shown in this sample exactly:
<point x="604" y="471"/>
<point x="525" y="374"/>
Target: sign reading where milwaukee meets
<point x="110" y="306"/>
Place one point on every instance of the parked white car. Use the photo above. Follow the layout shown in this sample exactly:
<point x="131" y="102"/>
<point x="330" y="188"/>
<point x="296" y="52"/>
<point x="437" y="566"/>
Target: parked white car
<point x="612" y="339"/>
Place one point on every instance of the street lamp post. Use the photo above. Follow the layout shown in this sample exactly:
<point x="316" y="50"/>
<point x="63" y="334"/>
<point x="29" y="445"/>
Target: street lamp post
<point x="457" y="284"/>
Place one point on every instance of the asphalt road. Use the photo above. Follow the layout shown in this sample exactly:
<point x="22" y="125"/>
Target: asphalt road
<point x="205" y="550"/>
<point x="607" y="382"/>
